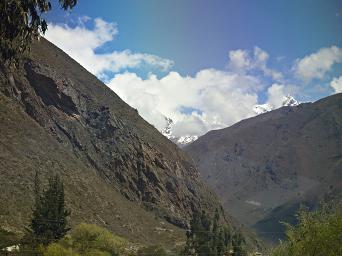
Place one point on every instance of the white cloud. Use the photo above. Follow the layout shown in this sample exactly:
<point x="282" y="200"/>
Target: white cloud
<point x="275" y="95"/>
<point x="210" y="99"/>
<point x="261" y="58"/>
<point x="336" y="84"/>
<point x="316" y="65"/>
<point x="241" y="61"/>
<point x="218" y="98"/>
<point x="81" y="43"/>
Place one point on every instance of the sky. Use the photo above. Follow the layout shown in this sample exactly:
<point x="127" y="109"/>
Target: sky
<point x="205" y="63"/>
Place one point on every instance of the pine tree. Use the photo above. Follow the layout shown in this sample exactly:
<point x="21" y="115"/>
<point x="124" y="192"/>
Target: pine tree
<point x="238" y="245"/>
<point x="49" y="221"/>
<point x="206" y="236"/>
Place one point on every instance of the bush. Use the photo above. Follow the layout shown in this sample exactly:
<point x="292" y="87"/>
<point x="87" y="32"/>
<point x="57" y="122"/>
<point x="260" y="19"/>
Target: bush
<point x="88" y="240"/>
<point x="92" y="239"/>
<point x="58" y="250"/>
<point x="318" y="233"/>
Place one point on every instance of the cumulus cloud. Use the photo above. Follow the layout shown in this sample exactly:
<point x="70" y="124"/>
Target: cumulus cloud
<point x="81" y="43"/>
<point x="316" y="65"/>
<point x="336" y="84"/>
<point x="239" y="60"/>
<point x="242" y="61"/>
<point x="275" y="94"/>
<point x="211" y="99"/>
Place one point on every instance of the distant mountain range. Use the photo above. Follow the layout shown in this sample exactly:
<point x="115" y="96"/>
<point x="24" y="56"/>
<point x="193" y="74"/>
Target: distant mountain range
<point x="264" y="167"/>
<point x="184" y="140"/>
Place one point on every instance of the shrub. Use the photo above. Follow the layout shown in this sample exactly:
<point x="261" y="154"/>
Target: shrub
<point x="58" y="250"/>
<point x="318" y="233"/>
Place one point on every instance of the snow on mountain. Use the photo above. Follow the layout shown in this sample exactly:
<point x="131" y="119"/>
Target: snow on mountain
<point x="263" y="108"/>
<point x="187" y="139"/>
<point x="290" y="101"/>
<point x="180" y="141"/>
<point x="167" y="131"/>
<point x="287" y="100"/>
<point x="184" y="140"/>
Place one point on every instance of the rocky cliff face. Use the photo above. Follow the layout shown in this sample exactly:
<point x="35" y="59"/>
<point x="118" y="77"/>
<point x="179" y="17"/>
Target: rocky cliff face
<point x="98" y="132"/>
<point x="262" y="168"/>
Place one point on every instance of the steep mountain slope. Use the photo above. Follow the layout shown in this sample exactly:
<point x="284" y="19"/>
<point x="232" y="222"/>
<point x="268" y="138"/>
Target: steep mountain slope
<point x="119" y="171"/>
<point x="262" y="168"/>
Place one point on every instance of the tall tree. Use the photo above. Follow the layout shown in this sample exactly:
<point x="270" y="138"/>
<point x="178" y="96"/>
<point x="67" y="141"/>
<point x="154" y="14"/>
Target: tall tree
<point x="206" y="236"/>
<point x="49" y="221"/>
<point x="238" y="247"/>
<point x="21" y="22"/>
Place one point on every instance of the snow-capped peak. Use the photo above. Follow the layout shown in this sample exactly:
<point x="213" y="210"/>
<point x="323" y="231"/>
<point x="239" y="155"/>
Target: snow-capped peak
<point x="167" y="131"/>
<point x="180" y="141"/>
<point x="263" y="108"/>
<point x="287" y="100"/>
<point x="184" y="140"/>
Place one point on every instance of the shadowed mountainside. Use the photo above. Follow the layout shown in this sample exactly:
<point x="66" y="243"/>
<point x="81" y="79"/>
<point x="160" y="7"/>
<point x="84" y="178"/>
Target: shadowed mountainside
<point x="264" y="167"/>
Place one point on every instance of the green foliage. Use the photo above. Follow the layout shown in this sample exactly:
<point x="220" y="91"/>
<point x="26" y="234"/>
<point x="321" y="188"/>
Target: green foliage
<point x="152" y="251"/>
<point x="207" y="236"/>
<point x="238" y="245"/>
<point x="92" y="240"/>
<point x="58" y="250"/>
<point x="318" y="233"/>
<point x="49" y="221"/>
<point x="21" y="22"/>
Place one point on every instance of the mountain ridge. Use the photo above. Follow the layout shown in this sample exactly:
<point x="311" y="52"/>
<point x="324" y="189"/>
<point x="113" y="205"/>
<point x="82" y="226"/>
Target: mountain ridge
<point x="274" y="159"/>
<point x="187" y="139"/>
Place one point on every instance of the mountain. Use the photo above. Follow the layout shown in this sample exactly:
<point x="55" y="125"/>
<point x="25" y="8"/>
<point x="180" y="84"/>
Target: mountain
<point x="264" y="167"/>
<point x="184" y="140"/>
<point x="180" y="141"/>
<point x="287" y="101"/>
<point x="119" y="171"/>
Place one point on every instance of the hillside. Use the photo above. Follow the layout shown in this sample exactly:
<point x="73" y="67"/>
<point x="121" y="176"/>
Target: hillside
<point x="118" y="170"/>
<point x="264" y="167"/>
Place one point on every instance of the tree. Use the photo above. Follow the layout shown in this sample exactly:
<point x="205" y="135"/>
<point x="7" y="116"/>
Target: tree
<point x="21" y="22"/>
<point x="206" y="236"/>
<point x="49" y="221"/>
<point x="238" y="243"/>
<point x="318" y="233"/>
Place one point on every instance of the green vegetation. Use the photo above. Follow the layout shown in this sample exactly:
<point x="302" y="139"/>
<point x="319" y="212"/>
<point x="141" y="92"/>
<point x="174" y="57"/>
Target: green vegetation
<point x="208" y="237"/>
<point x="20" y="23"/>
<point x="49" y="220"/>
<point x="318" y="233"/>
<point x="88" y="240"/>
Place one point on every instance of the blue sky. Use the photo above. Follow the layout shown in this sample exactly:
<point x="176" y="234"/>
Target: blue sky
<point x="190" y="37"/>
